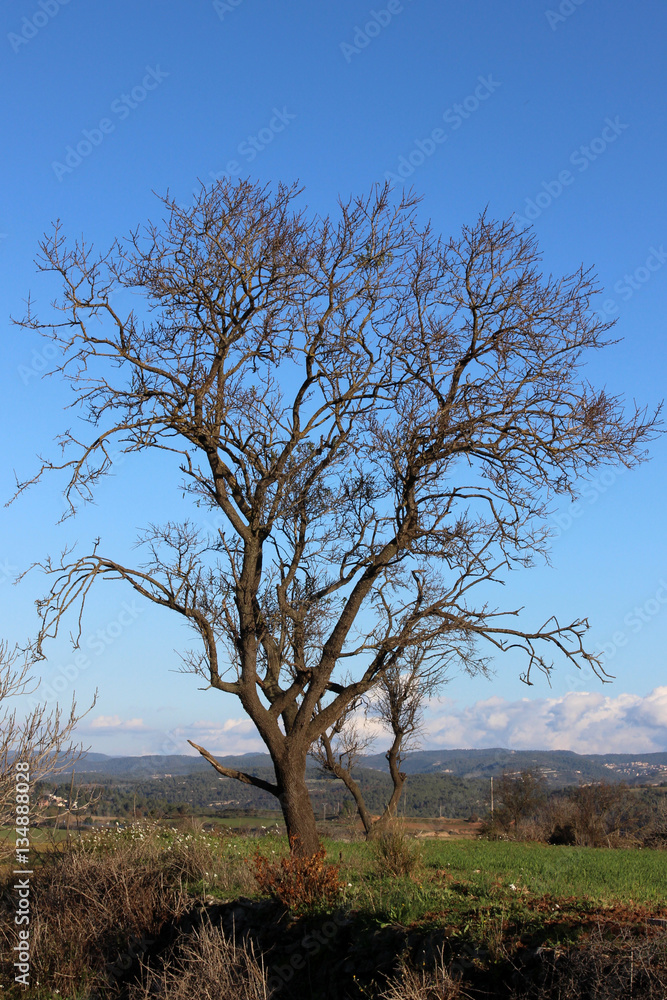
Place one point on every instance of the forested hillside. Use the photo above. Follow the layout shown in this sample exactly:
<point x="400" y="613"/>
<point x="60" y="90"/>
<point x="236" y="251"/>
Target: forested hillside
<point x="424" y="794"/>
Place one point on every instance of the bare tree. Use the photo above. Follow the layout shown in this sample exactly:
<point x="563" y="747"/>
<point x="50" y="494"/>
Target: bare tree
<point x="42" y="740"/>
<point x="339" y="751"/>
<point x="380" y="418"/>
<point x="598" y="812"/>
<point x="521" y="794"/>
<point x="397" y="704"/>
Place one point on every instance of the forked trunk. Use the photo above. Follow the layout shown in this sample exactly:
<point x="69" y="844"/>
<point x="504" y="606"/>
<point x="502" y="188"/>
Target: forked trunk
<point x="372" y="827"/>
<point x="398" y="779"/>
<point x="297" y="808"/>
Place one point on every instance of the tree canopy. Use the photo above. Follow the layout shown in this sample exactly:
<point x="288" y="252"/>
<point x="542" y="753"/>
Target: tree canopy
<point x="380" y="417"/>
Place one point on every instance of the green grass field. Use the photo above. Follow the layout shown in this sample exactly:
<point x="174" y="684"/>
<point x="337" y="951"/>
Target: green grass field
<point x="468" y="882"/>
<point x="248" y="822"/>
<point x="40" y="837"/>
<point x="599" y="873"/>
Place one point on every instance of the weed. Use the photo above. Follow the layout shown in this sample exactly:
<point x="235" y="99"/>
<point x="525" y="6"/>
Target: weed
<point x="100" y="902"/>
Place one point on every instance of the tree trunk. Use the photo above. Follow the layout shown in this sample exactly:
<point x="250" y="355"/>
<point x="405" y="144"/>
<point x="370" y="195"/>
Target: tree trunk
<point x="297" y="808"/>
<point x="364" y="814"/>
<point x="398" y="778"/>
<point x="353" y="788"/>
<point x="372" y="828"/>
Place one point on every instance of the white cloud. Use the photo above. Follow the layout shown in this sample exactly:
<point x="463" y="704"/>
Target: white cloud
<point x="583" y="721"/>
<point x="233" y="736"/>
<point x="114" y="735"/>
<point x="114" y="722"/>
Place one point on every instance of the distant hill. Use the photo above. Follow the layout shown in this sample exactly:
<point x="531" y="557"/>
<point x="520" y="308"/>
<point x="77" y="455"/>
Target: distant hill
<point x="160" y="765"/>
<point x="560" y="767"/>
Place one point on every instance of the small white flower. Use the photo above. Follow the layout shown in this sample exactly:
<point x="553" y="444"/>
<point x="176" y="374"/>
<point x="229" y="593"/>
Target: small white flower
<point x="512" y="887"/>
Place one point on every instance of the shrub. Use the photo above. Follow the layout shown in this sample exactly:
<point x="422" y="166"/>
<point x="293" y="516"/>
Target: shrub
<point x="393" y="854"/>
<point x="624" y="967"/>
<point x="598" y="813"/>
<point x="191" y="857"/>
<point x="301" y="884"/>
<point x="563" y="834"/>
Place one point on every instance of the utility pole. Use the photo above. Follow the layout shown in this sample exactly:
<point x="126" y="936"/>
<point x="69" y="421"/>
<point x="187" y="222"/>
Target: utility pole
<point x="491" y="798"/>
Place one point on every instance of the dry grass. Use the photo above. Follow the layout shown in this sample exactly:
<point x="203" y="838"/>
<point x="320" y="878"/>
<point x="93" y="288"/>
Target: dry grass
<point x="93" y="906"/>
<point x="99" y="909"/>
<point x="436" y="984"/>
<point x="625" y="968"/>
<point x="192" y="859"/>
<point x="206" y="965"/>
<point x="89" y="911"/>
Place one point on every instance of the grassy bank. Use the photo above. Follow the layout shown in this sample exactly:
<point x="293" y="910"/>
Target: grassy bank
<point x="116" y="899"/>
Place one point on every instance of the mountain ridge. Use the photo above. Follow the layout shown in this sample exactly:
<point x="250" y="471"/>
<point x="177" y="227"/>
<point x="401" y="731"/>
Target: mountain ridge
<point x="560" y="767"/>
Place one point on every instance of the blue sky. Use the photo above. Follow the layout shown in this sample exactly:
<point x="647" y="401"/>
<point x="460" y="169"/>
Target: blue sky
<point x="552" y="111"/>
